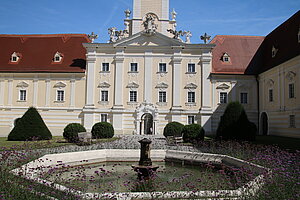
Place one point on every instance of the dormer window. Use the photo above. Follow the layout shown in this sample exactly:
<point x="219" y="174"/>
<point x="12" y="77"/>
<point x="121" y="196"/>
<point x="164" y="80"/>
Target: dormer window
<point x="274" y="51"/>
<point x="226" y="58"/>
<point x="58" y="57"/>
<point x="15" y="57"/>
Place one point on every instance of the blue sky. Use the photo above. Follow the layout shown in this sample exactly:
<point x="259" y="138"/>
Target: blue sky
<point x="218" y="17"/>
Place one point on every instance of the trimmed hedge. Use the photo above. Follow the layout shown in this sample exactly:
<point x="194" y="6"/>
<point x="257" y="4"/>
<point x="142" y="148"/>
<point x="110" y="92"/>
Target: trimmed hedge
<point x="30" y="127"/>
<point x="102" y="130"/>
<point x="173" y="129"/>
<point x="193" y="133"/>
<point x="71" y="132"/>
<point x="234" y="124"/>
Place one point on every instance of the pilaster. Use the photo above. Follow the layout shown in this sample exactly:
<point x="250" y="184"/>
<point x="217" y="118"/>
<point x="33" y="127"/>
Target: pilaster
<point x="148" y="77"/>
<point x="119" y="67"/>
<point x="177" y="86"/>
<point x="233" y="91"/>
<point x="1" y="92"/>
<point x="10" y="92"/>
<point x="90" y="82"/>
<point x="72" y="93"/>
<point x="47" y="99"/>
<point x="35" y="92"/>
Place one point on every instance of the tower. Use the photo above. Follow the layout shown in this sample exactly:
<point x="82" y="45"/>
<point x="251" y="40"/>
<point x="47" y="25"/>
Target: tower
<point x="158" y="8"/>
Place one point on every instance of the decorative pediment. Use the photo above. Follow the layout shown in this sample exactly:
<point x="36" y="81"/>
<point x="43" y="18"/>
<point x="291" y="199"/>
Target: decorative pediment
<point x="290" y="75"/>
<point x="223" y="86"/>
<point x="270" y="83"/>
<point x="22" y="84"/>
<point x="60" y="85"/>
<point x="104" y="85"/>
<point x="191" y="86"/>
<point x="132" y="85"/>
<point x="141" y="39"/>
<point x="162" y="86"/>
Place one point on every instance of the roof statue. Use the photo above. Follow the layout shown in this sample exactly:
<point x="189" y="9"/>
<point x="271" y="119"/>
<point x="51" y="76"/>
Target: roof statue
<point x="115" y="35"/>
<point x="127" y="13"/>
<point x="205" y="38"/>
<point x="92" y="37"/>
<point x="174" y="15"/>
<point x="148" y="23"/>
<point x="188" y="35"/>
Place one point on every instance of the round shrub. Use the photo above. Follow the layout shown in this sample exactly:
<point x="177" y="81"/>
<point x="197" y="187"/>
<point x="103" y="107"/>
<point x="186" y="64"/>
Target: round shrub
<point x="193" y="133"/>
<point x="30" y="127"/>
<point x="71" y="132"/>
<point x="102" y="130"/>
<point x="173" y="129"/>
<point x="234" y="124"/>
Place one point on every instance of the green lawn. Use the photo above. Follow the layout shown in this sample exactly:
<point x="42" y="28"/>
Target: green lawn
<point x="56" y="141"/>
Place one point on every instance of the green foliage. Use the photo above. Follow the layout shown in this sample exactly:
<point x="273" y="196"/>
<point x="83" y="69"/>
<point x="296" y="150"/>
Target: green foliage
<point x="71" y="132"/>
<point x="193" y="133"/>
<point x="30" y="127"/>
<point x="234" y="124"/>
<point x="173" y="129"/>
<point x="102" y="130"/>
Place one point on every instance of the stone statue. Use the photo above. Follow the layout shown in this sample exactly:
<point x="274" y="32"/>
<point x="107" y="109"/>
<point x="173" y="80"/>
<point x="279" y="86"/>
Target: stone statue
<point x="92" y="37"/>
<point x="149" y="25"/>
<point x="174" y="15"/>
<point x="205" y="38"/>
<point x="127" y="13"/>
<point x="188" y="35"/>
<point x="112" y="34"/>
<point x="176" y="34"/>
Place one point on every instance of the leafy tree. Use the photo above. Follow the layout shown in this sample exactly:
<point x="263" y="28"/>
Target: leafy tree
<point x="234" y="124"/>
<point x="173" y="129"/>
<point x="30" y="127"/>
<point x="102" y="130"/>
<point x="193" y="133"/>
<point x="71" y="132"/>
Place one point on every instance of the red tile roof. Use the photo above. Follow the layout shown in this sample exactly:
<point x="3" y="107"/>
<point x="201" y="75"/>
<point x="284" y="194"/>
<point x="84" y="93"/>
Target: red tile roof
<point x="38" y="52"/>
<point x="241" y="49"/>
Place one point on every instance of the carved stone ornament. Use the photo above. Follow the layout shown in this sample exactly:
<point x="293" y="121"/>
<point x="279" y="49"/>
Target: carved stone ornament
<point x="23" y="84"/>
<point x="290" y="75"/>
<point x="132" y="85"/>
<point x="104" y="85"/>
<point x="60" y="85"/>
<point x="191" y="86"/>
<point x="149" y="23"/>
<point x="162" y="86"/>
<point x="146" y="107"/>
<point x="270" y="83"/>
<point x="223" y="86"/>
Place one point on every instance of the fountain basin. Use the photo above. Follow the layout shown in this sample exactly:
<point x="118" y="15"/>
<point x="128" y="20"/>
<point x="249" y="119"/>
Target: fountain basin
<point x="35" y="170"/>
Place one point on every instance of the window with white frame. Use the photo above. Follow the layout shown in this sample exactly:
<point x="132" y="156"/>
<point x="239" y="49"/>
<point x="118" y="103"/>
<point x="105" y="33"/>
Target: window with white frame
<point x="60" y="95"/>
<point x="191" y="97"/>
<point x="162" y="96"/>
<point x="225" y="58"/>
<point x="133" y="67"/>
<point x="191" y="68"/>
<point x="103" y="117"/>
<point x="57" y="57"/>
<point x="244" y="98"/>
<point x="162" y="67"/>
<point x="105" y="67"/>
<point x="133" y="96"/>
<point x="291" y="90"/>
<point x="292" y="121"/>
<point x="191" y="119"/>
<point x="104" y="95"/>
<point x="15" y="57"/>
<point x="22" y="95"/>
<point x="223" y="97"/>
<point x="271" y="99"/>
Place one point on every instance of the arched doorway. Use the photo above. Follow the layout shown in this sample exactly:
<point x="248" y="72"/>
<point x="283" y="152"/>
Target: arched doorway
<point x="147" y="124"/>
<point x="264" y="123"/>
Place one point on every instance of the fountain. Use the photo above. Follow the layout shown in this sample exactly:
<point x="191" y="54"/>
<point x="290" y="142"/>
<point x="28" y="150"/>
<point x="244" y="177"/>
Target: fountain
<point x="145" y="169"/>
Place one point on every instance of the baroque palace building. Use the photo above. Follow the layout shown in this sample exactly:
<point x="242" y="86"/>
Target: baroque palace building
<point x="150" y="74"/>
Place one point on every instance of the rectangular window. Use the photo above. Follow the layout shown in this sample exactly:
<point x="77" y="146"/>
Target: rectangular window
<point x="223" y="97"/>
<point x="191" y="97"/>
<point x="271" y="95"/>
<point x="292" y="121"/>
<point x="133" y="96"/>
<point x="103" y="117"/>
<point x="162" y="96"/>
<point x="22" y="95"/>
<point x="191" y="119"/>
<point x="104" y="95"/>
<point x="191" y="68"/>
<point x="162" y="67"/>
<point x="14" y="58"/>
<point x="60" y="95"/>
<point x="133" y="67"/>
<point x="244" y="98"/>
<point x="105" y="67"/>
<point x="291" y="90"/>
